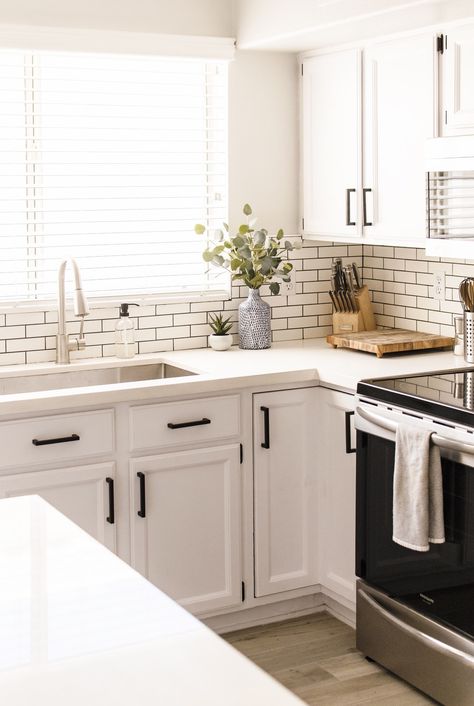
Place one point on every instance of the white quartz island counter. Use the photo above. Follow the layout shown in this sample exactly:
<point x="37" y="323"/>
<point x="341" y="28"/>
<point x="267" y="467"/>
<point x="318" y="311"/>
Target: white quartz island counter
<point x="312" y="361"/>
<point x="79" y="627"/>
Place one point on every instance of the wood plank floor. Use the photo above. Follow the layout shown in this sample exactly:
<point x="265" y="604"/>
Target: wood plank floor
<point x="316" y="658"/>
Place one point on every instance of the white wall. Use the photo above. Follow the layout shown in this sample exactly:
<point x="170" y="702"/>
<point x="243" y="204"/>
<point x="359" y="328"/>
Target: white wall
<point x="297" y="25"/>
<point x="263" y="138"/>
<point x="198" y="17"/>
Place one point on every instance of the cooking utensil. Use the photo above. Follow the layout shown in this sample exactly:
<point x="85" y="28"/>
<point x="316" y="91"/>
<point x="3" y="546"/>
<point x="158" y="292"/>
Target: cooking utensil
<point x="466" y="294"/>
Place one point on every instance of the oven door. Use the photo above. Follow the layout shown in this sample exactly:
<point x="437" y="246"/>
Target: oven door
<point x="440" y="582"/>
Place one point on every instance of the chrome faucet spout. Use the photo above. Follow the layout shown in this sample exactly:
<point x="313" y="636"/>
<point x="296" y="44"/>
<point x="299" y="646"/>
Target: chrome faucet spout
<point x="81" y="309"/>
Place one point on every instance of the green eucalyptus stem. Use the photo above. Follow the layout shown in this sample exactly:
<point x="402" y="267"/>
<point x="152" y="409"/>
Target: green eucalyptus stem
<point x="251" y="255"/>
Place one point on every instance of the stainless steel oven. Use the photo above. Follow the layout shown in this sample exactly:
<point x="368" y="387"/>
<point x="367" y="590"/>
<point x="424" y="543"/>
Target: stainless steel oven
<point x="415" y="610"/>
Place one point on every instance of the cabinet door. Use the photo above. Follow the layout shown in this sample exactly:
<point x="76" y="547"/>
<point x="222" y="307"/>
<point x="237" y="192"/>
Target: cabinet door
<point x="286" y="510"/>
<point x="337" y="464"/>
<point x="186" y="526"/>
<point x="331" y="144"/>
<point x="457" y="67"/>
<point x="399" y="116"/>
<point x="83" y="493"/>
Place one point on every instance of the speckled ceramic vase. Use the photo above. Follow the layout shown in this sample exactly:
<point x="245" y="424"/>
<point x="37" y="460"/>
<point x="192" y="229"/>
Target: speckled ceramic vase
<point x="254" y="322"/>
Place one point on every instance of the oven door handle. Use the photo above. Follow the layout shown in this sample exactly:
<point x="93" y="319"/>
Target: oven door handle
<point x="438" y="440"/>
<point x="423" y="637"/>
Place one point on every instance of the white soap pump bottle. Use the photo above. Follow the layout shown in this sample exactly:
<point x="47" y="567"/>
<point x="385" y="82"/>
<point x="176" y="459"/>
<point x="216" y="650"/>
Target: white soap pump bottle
<point x="125" y="346"/>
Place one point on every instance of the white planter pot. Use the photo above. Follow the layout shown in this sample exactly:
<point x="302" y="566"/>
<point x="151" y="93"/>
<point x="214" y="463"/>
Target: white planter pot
<point x="220" y="343"/>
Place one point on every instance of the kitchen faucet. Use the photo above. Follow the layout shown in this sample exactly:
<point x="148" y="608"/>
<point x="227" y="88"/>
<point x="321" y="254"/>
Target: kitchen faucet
<point x="81" y="309"/>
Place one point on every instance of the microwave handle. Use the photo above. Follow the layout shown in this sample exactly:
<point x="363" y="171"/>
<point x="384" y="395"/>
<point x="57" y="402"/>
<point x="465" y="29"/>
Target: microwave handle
<point x="438" y="440"/>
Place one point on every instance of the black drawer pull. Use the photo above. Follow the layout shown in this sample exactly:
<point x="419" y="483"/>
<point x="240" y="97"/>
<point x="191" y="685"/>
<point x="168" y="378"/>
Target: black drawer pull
<point x="266" y="428"/>
<point x="111" y="517"/>
<point x="142" y="511"/>
<point x="349" y="448"/>
<point x="184" y="425"/>
<point x="60" y="440"/>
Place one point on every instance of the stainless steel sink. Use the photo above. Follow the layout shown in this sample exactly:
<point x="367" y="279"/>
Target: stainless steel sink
<point x="85" y="378"/>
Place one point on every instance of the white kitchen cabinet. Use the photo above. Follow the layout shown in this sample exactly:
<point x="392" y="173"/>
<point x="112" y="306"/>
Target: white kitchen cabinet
<point x="399" y="117"/>
<point x="337" y="469"/>
<point x="85" y="494"/>
<point x="363" y="141"/>
<point x="331" y="136"/>
<point x="457" y="81"/>
<point x="285" y="490"/>
<point x="186" y="525"/>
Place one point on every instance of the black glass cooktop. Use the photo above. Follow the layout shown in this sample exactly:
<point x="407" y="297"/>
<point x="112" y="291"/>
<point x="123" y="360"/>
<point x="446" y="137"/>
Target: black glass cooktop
<point x="447" y="394"/>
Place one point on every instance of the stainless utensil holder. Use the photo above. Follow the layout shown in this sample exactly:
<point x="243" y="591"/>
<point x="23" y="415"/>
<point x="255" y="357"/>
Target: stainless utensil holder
<point x="469" y="336"/>
<point x="468" y="391"/>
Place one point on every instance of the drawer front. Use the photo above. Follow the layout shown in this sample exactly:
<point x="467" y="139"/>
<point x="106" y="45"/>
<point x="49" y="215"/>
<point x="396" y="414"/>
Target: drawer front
<point x="189" y="422"/>
<point x="69" y="437"/>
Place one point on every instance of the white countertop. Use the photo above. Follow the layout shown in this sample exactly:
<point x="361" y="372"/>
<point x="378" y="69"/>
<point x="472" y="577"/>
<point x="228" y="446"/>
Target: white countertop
<point x="79" y="627"/>
<point x="309" y="361"/>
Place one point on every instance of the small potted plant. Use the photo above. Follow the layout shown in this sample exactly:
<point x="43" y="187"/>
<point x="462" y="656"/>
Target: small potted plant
<point x="221" y="339"/>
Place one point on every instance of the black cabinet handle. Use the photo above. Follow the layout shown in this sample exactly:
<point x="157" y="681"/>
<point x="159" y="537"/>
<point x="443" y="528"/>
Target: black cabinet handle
<point x="184" y="425"/>
<point x="60" y="440"/>
<point x="348" y="207"/>
<point x="142" y="510"/>
<point x="111" y="516"/>
<point x="349" y="448"/>
<point x="364" y="206"/>
<point x="266" y="427"/>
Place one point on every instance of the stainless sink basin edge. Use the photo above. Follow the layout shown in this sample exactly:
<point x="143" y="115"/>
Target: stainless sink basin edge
<point x="111" y="375"/>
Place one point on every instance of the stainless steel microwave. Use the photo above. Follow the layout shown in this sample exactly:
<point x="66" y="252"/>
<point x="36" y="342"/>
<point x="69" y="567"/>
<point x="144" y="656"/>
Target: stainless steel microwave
<point x="450" y="188"/>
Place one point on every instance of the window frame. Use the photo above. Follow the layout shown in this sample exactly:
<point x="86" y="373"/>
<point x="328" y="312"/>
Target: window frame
<point x="50" y="304"/>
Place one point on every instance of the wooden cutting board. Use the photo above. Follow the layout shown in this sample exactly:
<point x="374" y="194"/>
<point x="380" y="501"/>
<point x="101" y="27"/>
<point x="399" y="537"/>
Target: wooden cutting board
<point x="394" y="340"/>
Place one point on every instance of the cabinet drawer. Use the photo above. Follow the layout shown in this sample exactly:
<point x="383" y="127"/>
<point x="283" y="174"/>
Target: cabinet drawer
<point x="189" y="422"/>
<point x="36" y="442"/>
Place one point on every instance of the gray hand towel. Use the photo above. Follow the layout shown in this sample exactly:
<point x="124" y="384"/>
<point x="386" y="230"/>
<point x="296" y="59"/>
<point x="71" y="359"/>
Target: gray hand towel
<point x="417" y="490"/>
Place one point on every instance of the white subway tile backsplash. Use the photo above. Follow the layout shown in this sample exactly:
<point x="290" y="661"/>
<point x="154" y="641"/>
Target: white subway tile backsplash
<point x="412" y="287"/>
<point x="400" y="280"/>
<point x="34" y="317"/>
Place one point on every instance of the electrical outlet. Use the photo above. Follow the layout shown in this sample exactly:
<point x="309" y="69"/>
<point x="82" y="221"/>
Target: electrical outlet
<point x="289" y="287"/>
<point x="439" y="289"/>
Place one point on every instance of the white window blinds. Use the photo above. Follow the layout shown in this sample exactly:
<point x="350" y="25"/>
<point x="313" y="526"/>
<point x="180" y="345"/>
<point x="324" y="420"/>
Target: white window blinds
<point x="111" y="160"/>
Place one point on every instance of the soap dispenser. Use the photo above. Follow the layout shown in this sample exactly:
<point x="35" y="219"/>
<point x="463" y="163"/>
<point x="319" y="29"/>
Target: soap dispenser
<point x="125" y="346"/>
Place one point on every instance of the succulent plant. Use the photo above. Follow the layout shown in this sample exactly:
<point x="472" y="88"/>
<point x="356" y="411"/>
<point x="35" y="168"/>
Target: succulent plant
<point x="252" y="255"/>
<point x="219" y="325"/>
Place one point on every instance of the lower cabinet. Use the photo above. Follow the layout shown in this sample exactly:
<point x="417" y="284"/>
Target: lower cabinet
<point x="85" y="494"/>
<point x="337" y="479"/>
<point x="186" y="525"/>
<point x="285" y="487"/>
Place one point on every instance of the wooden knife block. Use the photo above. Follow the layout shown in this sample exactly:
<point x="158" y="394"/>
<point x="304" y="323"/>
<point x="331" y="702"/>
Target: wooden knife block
<point x="362" y="320"/>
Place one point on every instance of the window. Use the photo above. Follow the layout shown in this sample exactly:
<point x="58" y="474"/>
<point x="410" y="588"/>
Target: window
<point x="111" y="160"/>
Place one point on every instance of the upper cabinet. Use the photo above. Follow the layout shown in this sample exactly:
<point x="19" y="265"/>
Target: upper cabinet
<point x="331" y="144"/>
<point x="365" y="118"/>
<point x="399" y="117"/>
<point x="457" y="81"/>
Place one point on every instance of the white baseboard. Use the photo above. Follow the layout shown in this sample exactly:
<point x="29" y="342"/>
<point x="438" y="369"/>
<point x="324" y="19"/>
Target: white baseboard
<point x="263" y="615"/>
<point x="341" y="612"/>
<point x="283" y="610"/>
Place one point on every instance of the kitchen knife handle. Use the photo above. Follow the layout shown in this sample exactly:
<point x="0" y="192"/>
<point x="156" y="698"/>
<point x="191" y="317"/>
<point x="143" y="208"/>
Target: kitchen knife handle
<point x="266" y="428"/>
<point x="357" y="278"/>
<point x="364" y="207"/>
<point x="348" y="207"/>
